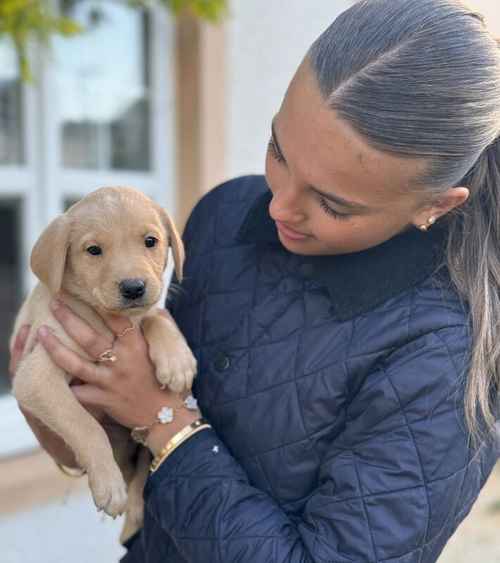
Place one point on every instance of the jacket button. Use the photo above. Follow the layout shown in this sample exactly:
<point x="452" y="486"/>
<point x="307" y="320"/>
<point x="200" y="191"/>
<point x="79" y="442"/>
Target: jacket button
<point x="221" y="361"/>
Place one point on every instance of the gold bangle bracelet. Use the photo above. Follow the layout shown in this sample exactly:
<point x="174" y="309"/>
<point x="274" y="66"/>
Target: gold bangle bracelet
<point x="177" y="440"/>
<point x="69" y="471"/>
<point x="158" y="461"/>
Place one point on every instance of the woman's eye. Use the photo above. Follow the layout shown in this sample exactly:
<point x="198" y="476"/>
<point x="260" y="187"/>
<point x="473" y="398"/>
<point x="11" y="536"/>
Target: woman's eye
<point x="94" y="250"/>
<point x="150" y="242"/>
<point x="274" y="151"/>
<point x="327" y="209"/>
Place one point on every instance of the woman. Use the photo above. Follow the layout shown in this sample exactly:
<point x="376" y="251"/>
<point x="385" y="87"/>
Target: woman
<point x="343" y="310"/>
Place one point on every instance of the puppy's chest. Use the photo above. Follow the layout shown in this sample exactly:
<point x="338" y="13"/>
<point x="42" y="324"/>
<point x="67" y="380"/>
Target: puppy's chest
<point x="270" y="377"/>
<point x="91" y="319"/>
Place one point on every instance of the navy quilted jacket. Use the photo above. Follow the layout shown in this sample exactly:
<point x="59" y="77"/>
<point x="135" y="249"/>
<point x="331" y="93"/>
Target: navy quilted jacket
<point x="334" y="386"/>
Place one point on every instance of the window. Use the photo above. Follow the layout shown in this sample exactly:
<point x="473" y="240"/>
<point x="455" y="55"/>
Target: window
<point x="10" y="280"/>
<point x="11" y="134"/>
<point x="106" y="106"/>
<point x="86" y="122"/>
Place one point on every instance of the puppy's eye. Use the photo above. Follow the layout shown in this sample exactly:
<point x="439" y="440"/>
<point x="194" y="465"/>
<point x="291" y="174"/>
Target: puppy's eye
<point x="150" y="242"/>
<point x="94" y="250"/>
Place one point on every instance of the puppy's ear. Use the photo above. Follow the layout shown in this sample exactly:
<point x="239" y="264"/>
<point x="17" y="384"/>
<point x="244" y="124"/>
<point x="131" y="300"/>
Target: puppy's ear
<point x="175" y="242"/>
<point x="48" y="257"/>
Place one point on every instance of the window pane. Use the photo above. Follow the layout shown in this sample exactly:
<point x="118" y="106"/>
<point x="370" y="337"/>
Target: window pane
<point x="11" y="141"/>
<point x="10" y="281"/>
<point x="103" y="80"/>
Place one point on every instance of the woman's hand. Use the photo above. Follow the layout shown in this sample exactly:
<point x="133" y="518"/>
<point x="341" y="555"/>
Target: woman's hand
<point x="127" y="389"/>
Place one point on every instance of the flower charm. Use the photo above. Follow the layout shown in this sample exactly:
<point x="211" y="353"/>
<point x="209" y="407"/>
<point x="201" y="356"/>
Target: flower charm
<point x="166" y="415"/>
<point x="191" y="403"/>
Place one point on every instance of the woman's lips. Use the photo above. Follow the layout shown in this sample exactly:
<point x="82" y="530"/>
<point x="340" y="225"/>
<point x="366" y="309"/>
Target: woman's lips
<point x="289" y="233"/>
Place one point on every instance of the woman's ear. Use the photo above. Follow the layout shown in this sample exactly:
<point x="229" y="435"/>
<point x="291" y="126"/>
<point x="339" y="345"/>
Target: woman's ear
<point x="48" y="257"/>
<point x="175" y="242"/>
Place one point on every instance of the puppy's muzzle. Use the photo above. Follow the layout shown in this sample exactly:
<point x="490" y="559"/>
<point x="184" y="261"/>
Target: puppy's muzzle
<point x="132" y="289"/>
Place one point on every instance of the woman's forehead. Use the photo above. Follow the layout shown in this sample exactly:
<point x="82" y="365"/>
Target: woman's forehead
<point x="331" y="154"/>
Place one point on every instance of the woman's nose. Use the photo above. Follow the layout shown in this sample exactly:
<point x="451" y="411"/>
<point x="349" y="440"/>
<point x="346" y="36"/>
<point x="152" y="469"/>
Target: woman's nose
<point x="287" y="205"/>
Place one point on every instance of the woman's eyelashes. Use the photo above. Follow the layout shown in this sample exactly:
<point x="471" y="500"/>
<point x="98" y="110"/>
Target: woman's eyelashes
<point x="273" y="149"/>
<point x="327" y="209"/>
<point x="322" y="201"/>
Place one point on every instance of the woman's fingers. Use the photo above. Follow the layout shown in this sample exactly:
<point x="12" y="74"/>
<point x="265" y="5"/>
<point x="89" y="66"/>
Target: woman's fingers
<point x="18" y="348"/>
<point x="92" y="398"/>
<point x="70" y="361"/>
<point x="120" y="326"/>
<point x="83" y="334"/>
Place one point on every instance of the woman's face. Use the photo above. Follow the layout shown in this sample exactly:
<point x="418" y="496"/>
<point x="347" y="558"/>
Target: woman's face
<point x="314" y="158"/>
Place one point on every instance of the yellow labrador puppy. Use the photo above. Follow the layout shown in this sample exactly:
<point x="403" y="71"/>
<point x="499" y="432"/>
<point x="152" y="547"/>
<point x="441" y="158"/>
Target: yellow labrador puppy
<point x="107" y="253"/>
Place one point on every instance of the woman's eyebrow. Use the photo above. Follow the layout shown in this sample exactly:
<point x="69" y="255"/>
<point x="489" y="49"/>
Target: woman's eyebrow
<point x="352" y="205"/>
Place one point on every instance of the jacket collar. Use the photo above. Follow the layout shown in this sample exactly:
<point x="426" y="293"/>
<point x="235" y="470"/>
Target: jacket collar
<point x="359" y="281"/>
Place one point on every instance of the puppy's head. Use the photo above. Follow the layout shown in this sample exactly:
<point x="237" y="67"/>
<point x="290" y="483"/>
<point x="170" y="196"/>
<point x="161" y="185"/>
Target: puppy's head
<point x="110" y="250"/>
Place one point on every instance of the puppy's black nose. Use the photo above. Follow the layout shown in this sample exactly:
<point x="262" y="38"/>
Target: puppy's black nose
<point x="132" y="288"/>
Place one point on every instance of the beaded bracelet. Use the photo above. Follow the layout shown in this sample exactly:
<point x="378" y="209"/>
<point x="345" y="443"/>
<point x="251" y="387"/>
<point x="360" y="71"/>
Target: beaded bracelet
<point x="165" y="416"/>
<point x="177" y="440"/>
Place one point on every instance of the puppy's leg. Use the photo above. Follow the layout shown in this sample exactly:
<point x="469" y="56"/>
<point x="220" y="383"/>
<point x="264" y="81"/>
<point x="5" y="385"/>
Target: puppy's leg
<point x="168" y="350"/>
<point x="41" y="387"/>
<point x="124" y="448"/>
<point x="134" y="514"/>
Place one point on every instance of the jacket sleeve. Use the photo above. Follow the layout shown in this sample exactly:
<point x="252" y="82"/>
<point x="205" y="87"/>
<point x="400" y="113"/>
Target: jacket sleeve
<point x="393" y="487"/>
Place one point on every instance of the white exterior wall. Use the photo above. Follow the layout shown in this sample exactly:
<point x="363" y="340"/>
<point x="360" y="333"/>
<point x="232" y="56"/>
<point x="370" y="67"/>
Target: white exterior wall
<point x="491" y="10"/>
<point x="266" y="41"/>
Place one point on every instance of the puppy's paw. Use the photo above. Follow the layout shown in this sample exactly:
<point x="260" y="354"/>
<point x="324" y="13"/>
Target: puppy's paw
<point x="108" y="489"/>
<point x="176" y="372"/>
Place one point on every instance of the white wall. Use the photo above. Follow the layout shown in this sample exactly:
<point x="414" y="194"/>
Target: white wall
<point x="491" y="10"/>
<point x="266" y="42"/>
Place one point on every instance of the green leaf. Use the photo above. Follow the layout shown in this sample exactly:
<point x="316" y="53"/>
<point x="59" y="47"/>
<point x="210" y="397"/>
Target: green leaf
<point x="67" y="27"/>
<point x="22" y="20"/>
